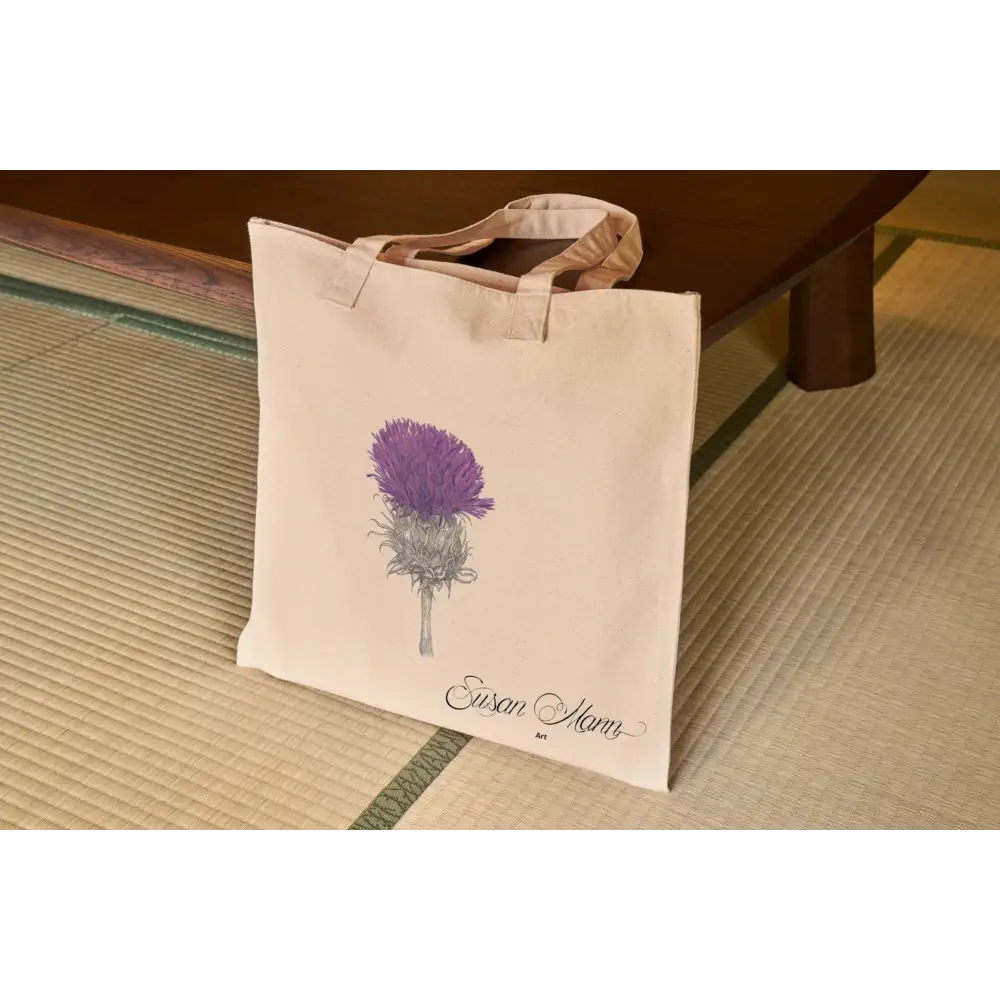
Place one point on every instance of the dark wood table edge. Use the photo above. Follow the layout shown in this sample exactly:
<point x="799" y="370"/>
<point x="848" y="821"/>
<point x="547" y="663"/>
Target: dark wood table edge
<point x="831" y="327"/>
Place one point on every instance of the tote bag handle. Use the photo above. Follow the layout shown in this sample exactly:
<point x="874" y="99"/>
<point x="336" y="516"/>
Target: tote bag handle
<point x="626" y="246"/>
<point x="619" y="264"/>
<point x="607" y="248"/>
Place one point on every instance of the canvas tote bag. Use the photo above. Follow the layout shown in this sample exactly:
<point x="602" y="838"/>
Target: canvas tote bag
<point x="472" y="488"/>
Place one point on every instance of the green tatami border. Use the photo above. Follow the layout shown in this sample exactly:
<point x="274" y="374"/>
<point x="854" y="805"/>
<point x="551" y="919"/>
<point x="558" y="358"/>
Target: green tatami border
<point x="141" y="320"/>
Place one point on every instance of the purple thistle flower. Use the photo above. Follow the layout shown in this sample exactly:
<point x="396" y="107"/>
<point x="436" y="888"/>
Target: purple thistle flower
<point x="428" y="471"/>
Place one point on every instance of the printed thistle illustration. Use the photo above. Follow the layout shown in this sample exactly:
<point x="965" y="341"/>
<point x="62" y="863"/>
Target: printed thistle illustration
<point x="430" y="483"/>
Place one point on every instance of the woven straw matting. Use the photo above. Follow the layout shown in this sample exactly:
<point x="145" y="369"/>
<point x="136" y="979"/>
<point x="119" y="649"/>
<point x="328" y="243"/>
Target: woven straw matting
<point x="840" y="650"/>
<point x="126" y="526"/>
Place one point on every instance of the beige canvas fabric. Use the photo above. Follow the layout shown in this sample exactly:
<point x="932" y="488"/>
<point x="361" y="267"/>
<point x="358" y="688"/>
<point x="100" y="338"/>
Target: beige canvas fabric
<point x="472" y="487"/>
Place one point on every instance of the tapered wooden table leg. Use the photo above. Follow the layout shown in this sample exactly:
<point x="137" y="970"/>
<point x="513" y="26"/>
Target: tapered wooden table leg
<point x="832" y="322"/>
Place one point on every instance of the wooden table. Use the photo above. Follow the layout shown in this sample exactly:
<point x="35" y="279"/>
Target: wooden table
<point x="740" y="239"/>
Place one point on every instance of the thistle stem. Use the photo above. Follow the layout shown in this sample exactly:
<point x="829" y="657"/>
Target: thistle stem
<point x="426" y="600"/>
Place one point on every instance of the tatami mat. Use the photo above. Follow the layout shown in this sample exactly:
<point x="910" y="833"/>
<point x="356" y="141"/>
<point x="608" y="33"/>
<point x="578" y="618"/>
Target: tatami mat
<point x="28" y="329"/>
<point x="839" y="656"/>
<point x="127" y="468"/>
<point x="840" y="653"/>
